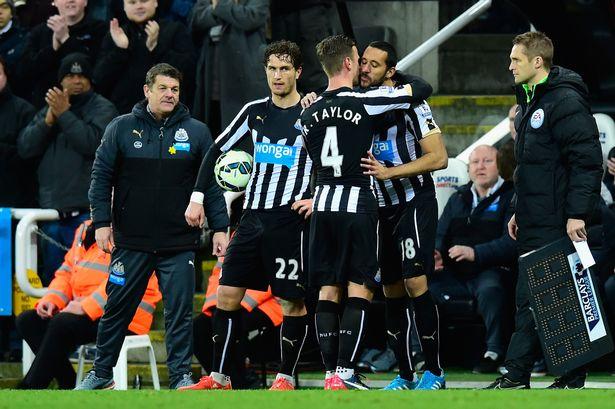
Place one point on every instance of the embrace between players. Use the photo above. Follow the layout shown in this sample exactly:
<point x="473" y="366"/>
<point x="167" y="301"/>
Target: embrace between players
<point x="352" y="198"/>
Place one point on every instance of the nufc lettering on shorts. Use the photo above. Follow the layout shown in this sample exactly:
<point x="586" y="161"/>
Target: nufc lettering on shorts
<point x="275" y="154"/>
<point x="383" y="151"/>
<point x="586" y="295"/>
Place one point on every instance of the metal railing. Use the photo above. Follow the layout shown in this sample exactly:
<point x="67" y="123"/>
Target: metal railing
<point x="444" y="34"/>
<point x="26" y="245"/>
<point x="495" y="135"/>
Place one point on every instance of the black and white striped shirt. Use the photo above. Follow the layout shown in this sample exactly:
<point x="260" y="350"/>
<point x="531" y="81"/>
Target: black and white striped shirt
<point x="397" y="142"/>
<point x="339" y="128"/>
<point x="281" y="173"/>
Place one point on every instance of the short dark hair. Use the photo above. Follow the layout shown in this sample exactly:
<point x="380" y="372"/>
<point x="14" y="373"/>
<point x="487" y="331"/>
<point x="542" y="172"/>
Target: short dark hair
<point x="388" y="48"/>
<point x="284" y="48"/>
<point x="332" y="50"/>
<point x="164" y="69"/>
<point x="537" y="44"/>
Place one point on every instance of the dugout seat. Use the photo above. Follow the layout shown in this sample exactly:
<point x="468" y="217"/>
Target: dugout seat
<point x="120" y="370"/>
<point x="448" y="180"/>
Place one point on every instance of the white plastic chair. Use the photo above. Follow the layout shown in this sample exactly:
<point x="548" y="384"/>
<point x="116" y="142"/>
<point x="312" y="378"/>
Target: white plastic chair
<point x="448" y="180"/>
<point x="120" y="371"/>
<point x="27" y="357"/>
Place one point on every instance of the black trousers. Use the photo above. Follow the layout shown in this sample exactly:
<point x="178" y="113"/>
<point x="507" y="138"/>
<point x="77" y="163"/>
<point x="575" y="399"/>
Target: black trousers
<point x="488" y="288"/>
<point x="53" y="340"/>
<point x="125" y="289"/>
<point x="253" y="323"/>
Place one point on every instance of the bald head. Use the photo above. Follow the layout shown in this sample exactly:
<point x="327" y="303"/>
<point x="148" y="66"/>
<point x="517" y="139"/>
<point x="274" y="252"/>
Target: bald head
<point x="483" y="167"/>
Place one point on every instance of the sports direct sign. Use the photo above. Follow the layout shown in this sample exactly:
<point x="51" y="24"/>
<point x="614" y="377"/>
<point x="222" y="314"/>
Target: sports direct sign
<point x="586" y="294"/>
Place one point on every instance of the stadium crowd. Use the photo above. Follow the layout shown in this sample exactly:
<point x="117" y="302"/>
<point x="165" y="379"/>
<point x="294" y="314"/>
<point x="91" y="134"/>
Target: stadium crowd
<point x="67" y="71"/>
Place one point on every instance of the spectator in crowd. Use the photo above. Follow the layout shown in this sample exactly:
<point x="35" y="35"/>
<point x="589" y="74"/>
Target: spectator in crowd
<point x="65" y="135"/>
<point x="17" y="176"/>
<point x="179" y="10"/>
<point x="473" y="242"/>
<point x="131" y="48"/>
<point x="34" y="12"/>
<point x="506" y="153"/>
<point x="233" y="36"/>
<point x="12" y="36"/>
<point x="47" y="44"/>
<point x="17" y="181"/>
<point x="261" y="312"/>
<point x="67" y="316"/>
<point x="305" y="23"/>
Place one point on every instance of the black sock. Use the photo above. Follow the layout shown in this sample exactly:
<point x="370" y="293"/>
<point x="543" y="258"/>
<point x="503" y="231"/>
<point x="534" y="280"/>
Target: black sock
<point x="399" y="323"/>
<point x="292" y="336"/>
<point x="227" y="330"/>
<point x="327" y="331"/>
<point x="352" y="331"/>
<point x="427" y="325"/>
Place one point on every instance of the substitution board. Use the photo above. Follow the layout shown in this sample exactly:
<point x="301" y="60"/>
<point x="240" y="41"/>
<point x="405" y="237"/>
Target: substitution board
<point x="567" y="308"/>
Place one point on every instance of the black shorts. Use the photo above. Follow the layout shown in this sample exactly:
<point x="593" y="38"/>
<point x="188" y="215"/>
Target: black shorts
<point x="267" y="250"/>
<point x="343" y="248"/>
<point x="407" y="234"/>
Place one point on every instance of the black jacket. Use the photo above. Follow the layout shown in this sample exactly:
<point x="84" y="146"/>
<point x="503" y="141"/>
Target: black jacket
<point x="17" y="176"/>
<point x="119" y="73"/>
<point x="67" y="150"/>
<point x="484" y="229"/>
<point x="40" y="62"/>
<point x="559" y="159"/>
<point x="11" y="45"/>
<point x="151" y="167"/>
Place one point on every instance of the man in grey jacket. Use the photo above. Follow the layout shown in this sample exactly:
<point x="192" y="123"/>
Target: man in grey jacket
<point x="233" y="34"/>
<point x="64" y="135"/>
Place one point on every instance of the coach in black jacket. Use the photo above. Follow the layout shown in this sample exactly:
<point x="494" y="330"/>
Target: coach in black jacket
<point x="558" y="175"/>
<point x="150" y="159"/>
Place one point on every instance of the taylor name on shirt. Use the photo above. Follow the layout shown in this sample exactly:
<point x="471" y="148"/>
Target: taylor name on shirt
<point x="336" y="112"/>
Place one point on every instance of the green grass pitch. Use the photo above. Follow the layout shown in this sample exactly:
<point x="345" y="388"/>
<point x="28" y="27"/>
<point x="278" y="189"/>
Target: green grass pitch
<point x="307" y="399"/>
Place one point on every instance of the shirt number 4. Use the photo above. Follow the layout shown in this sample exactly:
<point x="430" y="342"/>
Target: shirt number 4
<point x="330" y="145"/>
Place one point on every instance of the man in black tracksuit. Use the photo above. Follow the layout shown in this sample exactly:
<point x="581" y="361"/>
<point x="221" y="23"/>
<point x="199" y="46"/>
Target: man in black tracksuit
<point x="150" y="159"/>
<point x="557" y="180"/>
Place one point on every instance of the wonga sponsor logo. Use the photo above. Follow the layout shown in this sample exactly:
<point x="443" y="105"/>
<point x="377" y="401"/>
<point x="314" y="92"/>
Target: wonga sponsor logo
<point x="383" y="151"/>
<point x="274" y="154"/>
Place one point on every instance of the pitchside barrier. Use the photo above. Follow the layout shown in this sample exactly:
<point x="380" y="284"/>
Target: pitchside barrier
<point x="567" y="308"/>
